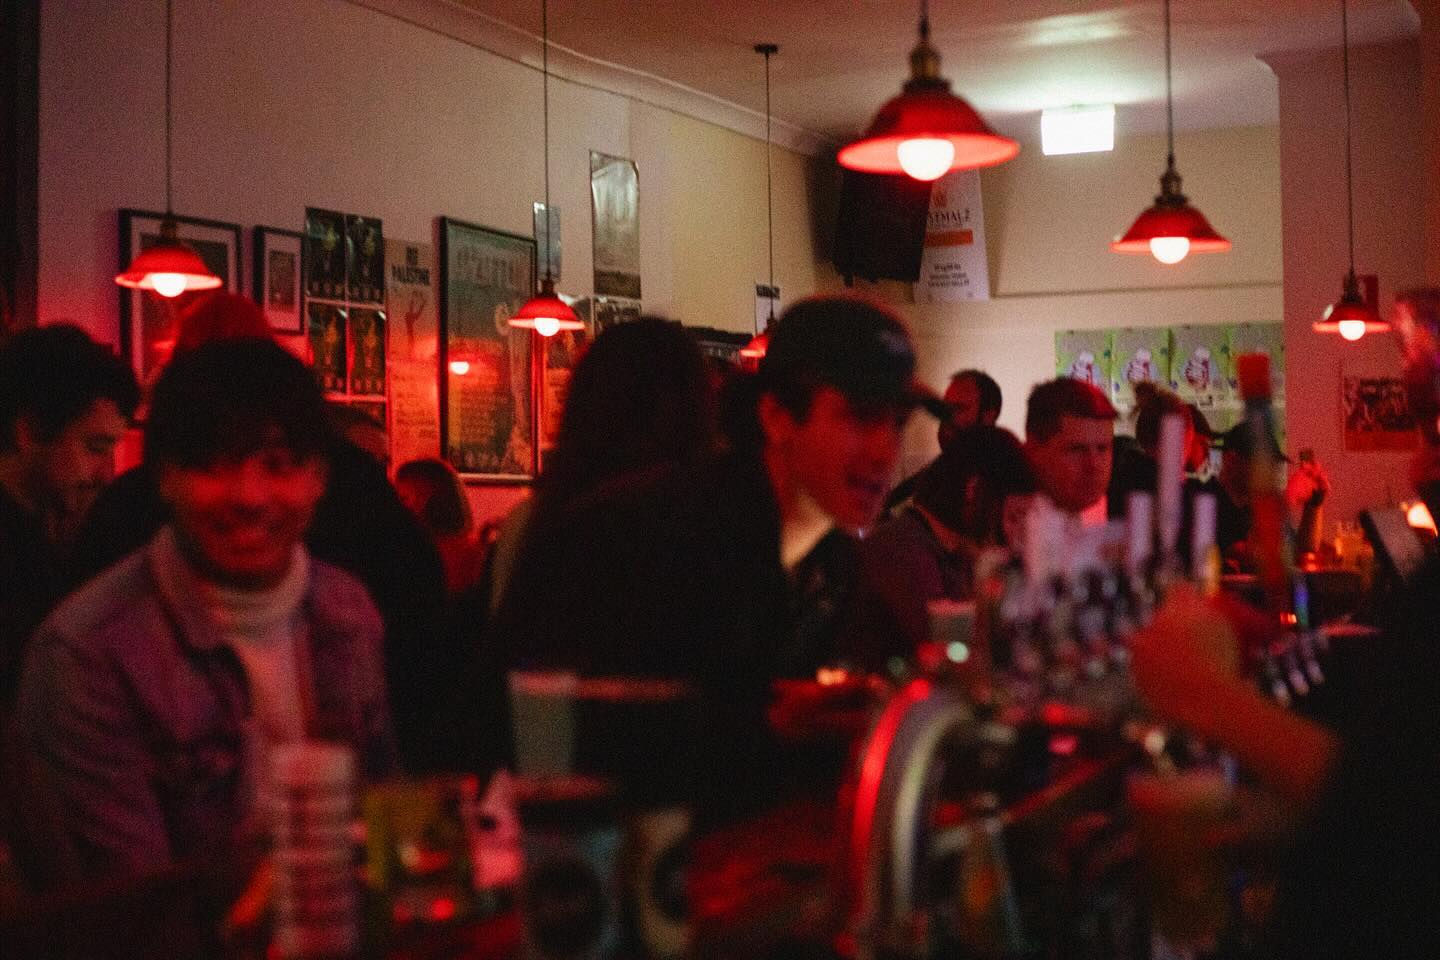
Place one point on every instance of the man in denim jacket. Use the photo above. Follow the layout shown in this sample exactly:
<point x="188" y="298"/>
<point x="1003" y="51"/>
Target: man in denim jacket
<point x="152" y="696"/>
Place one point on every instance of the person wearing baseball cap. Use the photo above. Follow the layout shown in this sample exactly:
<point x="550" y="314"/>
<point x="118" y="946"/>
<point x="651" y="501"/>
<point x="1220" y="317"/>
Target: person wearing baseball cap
<point x="734" y="566"/>
<point x="732" y="574"/>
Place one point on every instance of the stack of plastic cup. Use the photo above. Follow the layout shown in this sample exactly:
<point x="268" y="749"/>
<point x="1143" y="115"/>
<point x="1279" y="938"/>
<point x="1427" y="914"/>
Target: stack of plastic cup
<point x="316" y="897"/>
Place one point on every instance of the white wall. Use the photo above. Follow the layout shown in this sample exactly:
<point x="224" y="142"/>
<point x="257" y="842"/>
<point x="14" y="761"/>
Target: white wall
<point x="1389" y="218"/>
<point x="288" y="103"/>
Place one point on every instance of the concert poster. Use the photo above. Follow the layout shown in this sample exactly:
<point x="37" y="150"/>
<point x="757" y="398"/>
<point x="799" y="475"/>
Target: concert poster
<point x="364" y="259"/>
<point x="324" y="254"/>
<point x="325" y="326"/>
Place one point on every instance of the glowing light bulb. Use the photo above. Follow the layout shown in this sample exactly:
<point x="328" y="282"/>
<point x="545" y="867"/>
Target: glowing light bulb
<point x="1169" y="249"/>
<point x="1352" y="329"/>
<point x="459" y="367"/>
<point x="1418" y="516"/>
<point x="168" y="284"/>
<point x="547" y="326"/>
<point x="926" y="159"/>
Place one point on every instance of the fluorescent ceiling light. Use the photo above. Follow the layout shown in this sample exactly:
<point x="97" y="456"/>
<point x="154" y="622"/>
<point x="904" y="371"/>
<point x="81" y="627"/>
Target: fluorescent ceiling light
<point x="1078" y="130"/>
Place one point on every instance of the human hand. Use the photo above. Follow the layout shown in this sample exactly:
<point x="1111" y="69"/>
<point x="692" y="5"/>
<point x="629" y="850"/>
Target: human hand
<point x="1186" y="654"/>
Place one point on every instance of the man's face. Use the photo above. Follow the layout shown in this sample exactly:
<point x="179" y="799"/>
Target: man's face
<point x="239" y="520"/>
<point x="1073" y="467"/>
<point x="964" y="398"/>
<point x="841" y="455"/>
<point x="66" y="474"/>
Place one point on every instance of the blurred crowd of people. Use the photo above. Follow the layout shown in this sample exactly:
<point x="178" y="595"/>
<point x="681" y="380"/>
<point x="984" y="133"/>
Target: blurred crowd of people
<point x="259" y="578"/>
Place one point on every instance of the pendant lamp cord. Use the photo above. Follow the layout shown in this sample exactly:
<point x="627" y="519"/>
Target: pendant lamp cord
<point x="769" y="183"/>
<point x="545" y="86"/>
<point x="169" y="18"/>
<point x="1169" y="94"/>
<point x="924" y="19"/>
<point x="1349" y="174"/>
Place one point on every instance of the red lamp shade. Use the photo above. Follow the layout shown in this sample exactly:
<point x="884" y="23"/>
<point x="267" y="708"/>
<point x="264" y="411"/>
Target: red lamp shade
<point x="170" y="268"/>
<point x="753" y="352"/>
<point x="926" y="131"/>
<point x="1171" y="228"/>
<point x="1350" y="316"/>
<point x="546" y="313"/>
<point x="912" y="122"/>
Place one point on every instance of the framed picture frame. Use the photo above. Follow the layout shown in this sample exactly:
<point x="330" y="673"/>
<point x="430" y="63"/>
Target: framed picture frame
<point x="487" y="384"/>
<point x="148" y="322"/>
<point x="276" y="278"/>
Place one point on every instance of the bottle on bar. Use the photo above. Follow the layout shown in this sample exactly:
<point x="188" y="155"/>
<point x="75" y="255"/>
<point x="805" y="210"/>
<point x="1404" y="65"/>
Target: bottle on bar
<point x="1204" y="553"/>
<point x="989" y="926"/>
<point x="1271" y="545"/>
<point x="1271" y="541"/>
<point x="1169" y="497"/>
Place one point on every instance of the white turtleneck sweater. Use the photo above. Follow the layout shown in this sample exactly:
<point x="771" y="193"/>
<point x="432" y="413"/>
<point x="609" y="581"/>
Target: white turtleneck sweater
<point x="263" y="627"/>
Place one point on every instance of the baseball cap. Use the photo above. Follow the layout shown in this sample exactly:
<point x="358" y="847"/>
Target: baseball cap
<point x="856" y="346"/>
<point x="1240" y="439"/>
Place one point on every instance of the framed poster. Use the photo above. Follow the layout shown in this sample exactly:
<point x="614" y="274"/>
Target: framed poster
<point x="487" y="397"/>
<point x="326" y="328"/>
<point x="562" y="352"/>
<point x="609" y="311"/>
<point x="147" y="321"/>
<point x="1377" y="414"/>
<point x="276" y="278"/>
<point x="615" y="215"/>
<point x="324" y="254"/>
<point x="364" y="259"/>
<point x="367" y="351"/>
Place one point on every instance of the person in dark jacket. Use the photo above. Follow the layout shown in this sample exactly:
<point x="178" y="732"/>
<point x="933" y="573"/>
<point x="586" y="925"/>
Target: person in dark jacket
<point x="65" y="402"/>
<point x="730" y="574"/>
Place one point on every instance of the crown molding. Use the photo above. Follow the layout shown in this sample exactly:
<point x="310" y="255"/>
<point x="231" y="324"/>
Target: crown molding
<point x="473" y="28"/>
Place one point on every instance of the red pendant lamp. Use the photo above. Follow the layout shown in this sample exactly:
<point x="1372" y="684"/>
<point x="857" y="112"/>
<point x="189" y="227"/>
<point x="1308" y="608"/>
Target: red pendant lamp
<point x="546" y="313"/>
<point x="1350" y="316"/>
<point x="169" y="268"/>
<point x="1171" y="229"/>
<point x="927" y="131"/>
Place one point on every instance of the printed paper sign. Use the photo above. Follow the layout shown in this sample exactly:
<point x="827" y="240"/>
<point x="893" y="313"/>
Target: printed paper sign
<point x="953" y="266"/>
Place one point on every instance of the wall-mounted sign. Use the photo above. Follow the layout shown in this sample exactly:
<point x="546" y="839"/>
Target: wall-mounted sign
<point x="953" y="265"/>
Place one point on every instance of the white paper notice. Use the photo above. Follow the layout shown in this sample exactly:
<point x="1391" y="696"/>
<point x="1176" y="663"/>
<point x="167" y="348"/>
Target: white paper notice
<point x="954" y="265"/>
<point x="414" y="336"/>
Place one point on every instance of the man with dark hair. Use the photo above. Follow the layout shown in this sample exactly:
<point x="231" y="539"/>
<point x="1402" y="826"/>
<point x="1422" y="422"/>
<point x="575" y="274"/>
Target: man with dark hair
<point x="708" y="562"/>
<point x="974" y="399"/>
<point x="152" y="697"/>
<point x="359" y="525"/>
<point x="730" y="573"/>
<point x="1068" y="434"/>
<point x="65" y="402"/>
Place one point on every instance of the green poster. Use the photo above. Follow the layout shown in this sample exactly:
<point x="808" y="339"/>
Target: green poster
<point x="1084" y="355"/>
<point x="1140" y="354"/>
<point x="1201" y="368"/>
<point x="1267" y="338"/>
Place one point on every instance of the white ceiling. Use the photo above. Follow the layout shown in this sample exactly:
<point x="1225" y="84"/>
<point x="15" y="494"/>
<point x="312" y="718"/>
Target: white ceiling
<point x="840" y="59"/>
